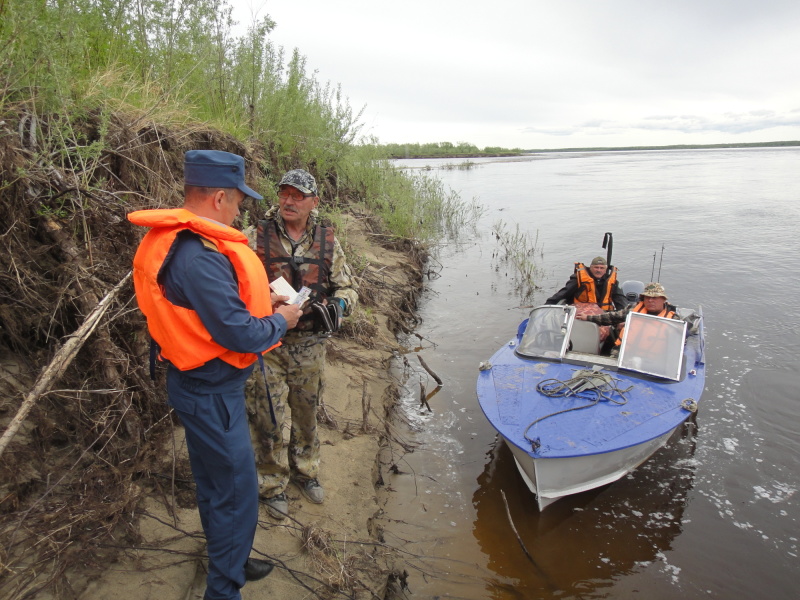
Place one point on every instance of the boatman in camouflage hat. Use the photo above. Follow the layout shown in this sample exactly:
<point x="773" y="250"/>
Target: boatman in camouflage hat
<point x="653" y="301"/>
<point x="292" y="243"/>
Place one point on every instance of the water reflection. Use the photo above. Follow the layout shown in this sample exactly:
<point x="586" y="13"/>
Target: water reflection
<point x="580" y="544"/>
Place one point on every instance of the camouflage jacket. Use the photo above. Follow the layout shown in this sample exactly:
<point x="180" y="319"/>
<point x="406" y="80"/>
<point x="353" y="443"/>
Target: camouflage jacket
<point x="618" y="316"/>
<point x="342" y="282"/>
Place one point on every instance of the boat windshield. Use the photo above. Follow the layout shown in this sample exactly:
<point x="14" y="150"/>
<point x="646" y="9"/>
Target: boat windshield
<point x="547" y="332"/>
<point x="653" y="345"/>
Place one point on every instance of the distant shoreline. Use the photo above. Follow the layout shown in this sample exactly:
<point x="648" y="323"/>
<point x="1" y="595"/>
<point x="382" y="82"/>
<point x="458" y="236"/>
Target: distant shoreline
<point x="673" y="147"/>
<point x="599" y="149"/>
<point x="466" y="155"/>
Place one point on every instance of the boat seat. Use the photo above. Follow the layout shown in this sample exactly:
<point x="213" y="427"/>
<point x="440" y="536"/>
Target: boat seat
<point x="585" y="337"/>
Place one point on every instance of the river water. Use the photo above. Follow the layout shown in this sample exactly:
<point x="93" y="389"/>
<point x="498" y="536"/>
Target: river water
<point x="715" y="514"/>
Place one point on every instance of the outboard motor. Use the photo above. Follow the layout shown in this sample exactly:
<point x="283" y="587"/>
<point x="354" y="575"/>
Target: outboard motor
<point x="632" y="290"/>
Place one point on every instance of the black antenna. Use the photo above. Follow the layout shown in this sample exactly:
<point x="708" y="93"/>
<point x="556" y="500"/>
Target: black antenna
<point x="659" y="263"/>
<point x="653" y="272"/>
<point x="608" y="240"/>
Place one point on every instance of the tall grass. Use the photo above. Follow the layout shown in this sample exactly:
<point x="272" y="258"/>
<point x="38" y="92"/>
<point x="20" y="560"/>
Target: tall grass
<point x="519" y="249"/>
<point x="413" y="205"/>
<point x="177" y="63"/>
<point x="188" y="54"/>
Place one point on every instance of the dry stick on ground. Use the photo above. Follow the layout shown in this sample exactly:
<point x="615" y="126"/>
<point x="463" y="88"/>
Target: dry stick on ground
<point x="429" y="370"/>
<point x="60" y="362"/>
<point x="365" y="404"/>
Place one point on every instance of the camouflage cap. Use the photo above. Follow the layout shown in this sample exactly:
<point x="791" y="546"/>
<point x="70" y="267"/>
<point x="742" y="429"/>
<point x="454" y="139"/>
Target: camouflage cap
<point x="598" y="260"/>
<point x="654" y="290"/>
<point x="300" y="179"/>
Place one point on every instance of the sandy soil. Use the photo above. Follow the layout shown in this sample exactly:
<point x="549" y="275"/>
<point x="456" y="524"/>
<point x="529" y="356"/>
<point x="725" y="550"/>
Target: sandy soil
<point x="321" y="551"/>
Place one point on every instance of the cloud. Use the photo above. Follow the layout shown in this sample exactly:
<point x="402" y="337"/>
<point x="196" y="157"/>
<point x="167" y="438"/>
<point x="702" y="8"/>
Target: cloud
<point x="757" y="120"/>
<point x="731" y="123"/>
<point x="518" y="72"/>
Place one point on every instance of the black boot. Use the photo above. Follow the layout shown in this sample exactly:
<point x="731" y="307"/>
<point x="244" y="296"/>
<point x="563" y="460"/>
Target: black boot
<point x="255" y="569"/>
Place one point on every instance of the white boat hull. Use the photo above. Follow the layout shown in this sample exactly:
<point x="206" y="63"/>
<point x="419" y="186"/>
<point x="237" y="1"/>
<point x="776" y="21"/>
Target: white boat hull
<point x="553" y="478"/>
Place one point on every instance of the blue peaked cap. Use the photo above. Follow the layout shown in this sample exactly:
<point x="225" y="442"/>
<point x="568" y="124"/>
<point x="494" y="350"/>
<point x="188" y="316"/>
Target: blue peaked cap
<point x="216" y="169"/>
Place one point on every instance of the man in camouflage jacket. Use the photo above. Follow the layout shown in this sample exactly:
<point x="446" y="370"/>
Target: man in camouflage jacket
<point x="653" y="301"/>
<point x="292" y="243"/>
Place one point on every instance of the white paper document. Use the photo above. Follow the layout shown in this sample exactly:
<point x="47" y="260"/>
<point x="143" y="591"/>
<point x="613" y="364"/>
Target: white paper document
<point x="282" y="287"/>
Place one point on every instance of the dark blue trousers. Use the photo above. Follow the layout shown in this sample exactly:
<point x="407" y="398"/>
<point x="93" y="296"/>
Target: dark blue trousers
<point x="221" y="455"/>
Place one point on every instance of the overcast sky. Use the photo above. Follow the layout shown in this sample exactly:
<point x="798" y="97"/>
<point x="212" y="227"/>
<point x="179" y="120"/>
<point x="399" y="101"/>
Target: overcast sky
<point x="554" y="73"/>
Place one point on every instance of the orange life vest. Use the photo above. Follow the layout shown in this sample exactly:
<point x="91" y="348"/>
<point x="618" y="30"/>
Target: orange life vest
<point x="639" y="308"/>
<point x="184" y="340"/>
<point x="587" y="291"/>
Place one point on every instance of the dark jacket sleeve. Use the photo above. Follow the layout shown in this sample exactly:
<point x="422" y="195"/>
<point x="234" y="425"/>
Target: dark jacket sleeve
<point x="566" y="293"/>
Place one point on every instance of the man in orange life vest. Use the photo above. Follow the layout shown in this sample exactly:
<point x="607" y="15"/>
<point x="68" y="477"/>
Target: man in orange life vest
<point x="207" y="302"/>
<point x="653" y="302"/>
<point x="596" y="284"/>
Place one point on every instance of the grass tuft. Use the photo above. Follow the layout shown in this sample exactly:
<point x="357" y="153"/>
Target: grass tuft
<point x="518" y="249"/>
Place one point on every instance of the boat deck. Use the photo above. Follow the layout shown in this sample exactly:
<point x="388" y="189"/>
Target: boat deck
<point x="571" y="426"/>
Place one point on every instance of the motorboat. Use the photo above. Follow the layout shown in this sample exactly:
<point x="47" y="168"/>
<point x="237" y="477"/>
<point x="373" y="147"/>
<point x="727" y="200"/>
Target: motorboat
<point x="576" y="418"/>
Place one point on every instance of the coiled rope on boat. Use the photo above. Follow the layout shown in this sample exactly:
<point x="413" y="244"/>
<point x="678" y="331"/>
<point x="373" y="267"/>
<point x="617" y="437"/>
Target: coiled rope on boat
<point x="588" y="384"/>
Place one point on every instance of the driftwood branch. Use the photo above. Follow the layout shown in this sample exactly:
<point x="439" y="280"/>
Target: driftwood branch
<point x="60" y="362"/>
<point x="429" y="370"/>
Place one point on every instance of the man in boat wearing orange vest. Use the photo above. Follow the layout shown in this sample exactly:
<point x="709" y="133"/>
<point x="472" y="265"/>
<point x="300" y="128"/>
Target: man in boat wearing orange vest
<point x="595" y="284"/>
<point x="593" y="290"/>
<point x="653" y="301"/>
